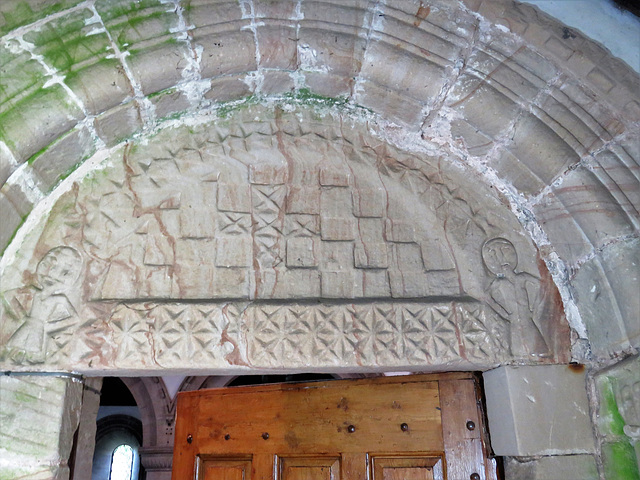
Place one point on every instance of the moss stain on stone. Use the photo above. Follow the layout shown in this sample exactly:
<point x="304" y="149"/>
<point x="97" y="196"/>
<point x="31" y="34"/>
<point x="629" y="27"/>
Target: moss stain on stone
<point x="24" y="13"/>
<point x="620" y="461"/>
<point x="610" y="417"/>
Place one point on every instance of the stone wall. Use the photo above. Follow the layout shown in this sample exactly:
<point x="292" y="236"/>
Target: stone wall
<point x="39" y="417"/>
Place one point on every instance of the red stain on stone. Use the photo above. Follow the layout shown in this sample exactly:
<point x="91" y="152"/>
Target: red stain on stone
<point x="422" y="13"/>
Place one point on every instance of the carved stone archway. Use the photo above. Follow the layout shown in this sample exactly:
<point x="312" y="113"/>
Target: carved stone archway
<point x="503" y="146"/>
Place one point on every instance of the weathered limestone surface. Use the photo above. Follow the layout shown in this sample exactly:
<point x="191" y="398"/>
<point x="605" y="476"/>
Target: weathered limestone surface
<point x="581" y="467"/>
<point x="619" y="419"/>
<point x="39" y="416"/>
<point x="538" y="410"/>
<point x="256" y="224"/>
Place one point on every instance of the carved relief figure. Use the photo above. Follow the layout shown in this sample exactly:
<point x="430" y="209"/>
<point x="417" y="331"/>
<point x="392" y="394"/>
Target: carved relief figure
<point x="47" y="310"/>
<point x="514" y="296"/>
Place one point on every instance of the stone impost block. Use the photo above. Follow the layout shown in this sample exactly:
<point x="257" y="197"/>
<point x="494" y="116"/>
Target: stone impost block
<point x="581" y="467"/>
<point x="39" y="416"/>
<point x="538" y="410"/>
<point x="607" y="288"/>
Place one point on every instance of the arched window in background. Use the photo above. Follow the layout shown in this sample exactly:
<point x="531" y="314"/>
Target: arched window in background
<point x="122" y="463"/>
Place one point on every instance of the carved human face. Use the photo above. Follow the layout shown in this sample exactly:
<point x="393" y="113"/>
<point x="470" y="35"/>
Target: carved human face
<point x="499" y="256"/>
<point x="60" y="266"/>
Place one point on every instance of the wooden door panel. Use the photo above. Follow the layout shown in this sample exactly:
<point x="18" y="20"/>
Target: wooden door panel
<point x="316" y="418"/>
<point x="407" y="468"/>
<point x="309" y="468"/>
<point x="223" y="469"/>
<point x="370" y="429"/>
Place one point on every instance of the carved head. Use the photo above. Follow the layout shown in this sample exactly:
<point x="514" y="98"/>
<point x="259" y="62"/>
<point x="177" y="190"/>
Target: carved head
<point x="60" y="266"/>
<point x="499" y="256"/>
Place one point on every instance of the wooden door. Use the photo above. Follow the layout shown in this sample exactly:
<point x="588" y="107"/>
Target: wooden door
<point x="389" y="428"/>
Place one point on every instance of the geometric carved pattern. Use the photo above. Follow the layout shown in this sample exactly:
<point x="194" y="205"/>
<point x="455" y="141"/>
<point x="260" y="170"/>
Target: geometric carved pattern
<point x="399" y="334"/>
<point x="235" y="252"/>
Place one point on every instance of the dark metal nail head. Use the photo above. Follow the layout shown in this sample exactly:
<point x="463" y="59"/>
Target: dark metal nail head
<point x="189" y="438"/>
<point x="351" y="428"/>
<point x="265" y="436"/>
<point x="404" y="427"/>
<point x="474" y="476"/>
<point x="471" y="425"/>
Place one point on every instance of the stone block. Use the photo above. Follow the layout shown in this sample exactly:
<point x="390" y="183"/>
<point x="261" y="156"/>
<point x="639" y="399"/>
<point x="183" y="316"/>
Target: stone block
<point x="511" y="169"/>
<point x="37" y="120"/>
<point x="119" y="123"/>
<point x="371" y="255"/>
<point x="19" y="75"/>
<point x="301" y="253"/>
<point x="410" y="284"/>
<point x="369" y="202"/>
<point x="582" y="467"/>
<point x="437" y="46"/>
<point x="203" y="13"/>
<point x="345" y="284"/>
<point x="62" y="156"/>
<point x="336" y="256"/>
<point x="160" y="67"/>
<point x="540" y="150"/>
<point x="303" y="199"/>
<point x="338" y="55"/>
<point x="538" y="410"/>
<point x="39" y="416"/>
<point x="389" y="103"/>
<point x="615" y="168"/>
<point x="298" y="283"/>
<point x="227" y="53"/>
<point x="607" y="287"/>
<point x="584" y="199"/>
<point x="64" y="41"/>
<point x="100" y="86"/>
<point x="234" y="251"/>
<point x="337" y="229"/>
<point x="10" y="220"/>
<point x="375" y="284"/>
<point x="278" y="46"/>
<point x="22" y="192"/>
<point x="276" y="82"/>
<point x="225" y="89"/>
<point x="7" y="163"/>
<point x="471" y="97"/>
<point x="169" y="103"/>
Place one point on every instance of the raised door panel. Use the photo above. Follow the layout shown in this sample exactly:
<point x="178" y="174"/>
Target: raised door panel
<point x="407" y="468"/>
<point x="223" y="469"/>
<point x="309" y="468"/>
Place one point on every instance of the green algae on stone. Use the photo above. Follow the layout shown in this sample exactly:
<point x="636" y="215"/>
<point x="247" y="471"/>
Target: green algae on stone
<point x="130" y="23"/>
<point x="19" y="74"/>
<point x="619" y="460"/>
<point x="65" y="42"/>
<point x="17" y="13"/>
<point x="610" y="420"/>
<point x="36" y="120"/>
